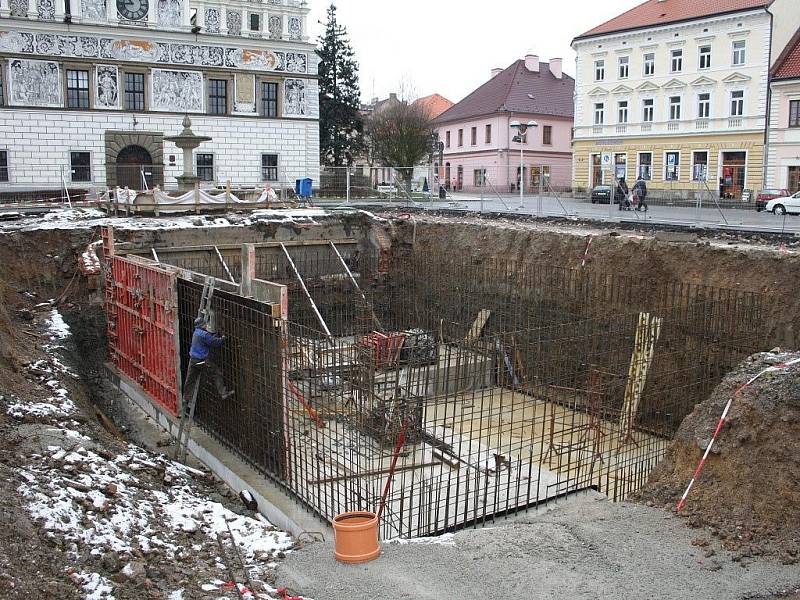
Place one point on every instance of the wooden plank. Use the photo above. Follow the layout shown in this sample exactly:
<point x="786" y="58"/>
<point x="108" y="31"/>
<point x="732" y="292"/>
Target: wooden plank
<point x="477" y="327"/>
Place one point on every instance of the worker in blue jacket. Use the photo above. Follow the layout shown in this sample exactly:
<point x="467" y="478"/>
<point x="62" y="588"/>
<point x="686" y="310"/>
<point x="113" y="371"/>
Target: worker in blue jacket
<point x="203" y="341"/>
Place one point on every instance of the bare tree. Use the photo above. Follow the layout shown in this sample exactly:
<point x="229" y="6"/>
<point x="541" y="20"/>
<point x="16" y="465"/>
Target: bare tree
<point x="400" y="136"/>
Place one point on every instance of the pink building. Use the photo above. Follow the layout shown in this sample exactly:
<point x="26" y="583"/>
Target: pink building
<point x="782" y="168"/>
<point x="478" y="139"/>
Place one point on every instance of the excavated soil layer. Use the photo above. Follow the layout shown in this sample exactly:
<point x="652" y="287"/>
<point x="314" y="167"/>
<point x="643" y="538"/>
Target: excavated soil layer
<point x="747" y="494"/>
<point x="720" y="260"/>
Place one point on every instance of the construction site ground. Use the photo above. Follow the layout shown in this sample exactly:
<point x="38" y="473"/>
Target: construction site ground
<point x="65" y="438"/>
<point x="584" y="547"/>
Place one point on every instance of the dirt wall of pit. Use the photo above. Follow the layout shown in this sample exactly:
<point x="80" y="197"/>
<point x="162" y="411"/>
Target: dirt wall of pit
<point x="725" y="262"/>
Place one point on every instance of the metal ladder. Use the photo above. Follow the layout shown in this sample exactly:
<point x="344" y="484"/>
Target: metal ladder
<point x="187" y="420"/>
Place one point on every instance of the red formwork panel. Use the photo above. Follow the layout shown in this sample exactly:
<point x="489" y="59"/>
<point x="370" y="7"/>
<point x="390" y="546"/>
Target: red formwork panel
<point x="142" y="311"/>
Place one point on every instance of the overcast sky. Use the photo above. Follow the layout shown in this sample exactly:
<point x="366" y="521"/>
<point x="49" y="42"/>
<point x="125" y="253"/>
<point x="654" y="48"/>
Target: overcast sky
<point x="449" y="47"/>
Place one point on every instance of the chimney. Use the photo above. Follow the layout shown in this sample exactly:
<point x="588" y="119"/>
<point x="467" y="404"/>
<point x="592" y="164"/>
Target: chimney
<point x="532" y="62"/>
<point x="393" y="96"/>
<point x="495" y="72"/>
<point x="555" y="68"/>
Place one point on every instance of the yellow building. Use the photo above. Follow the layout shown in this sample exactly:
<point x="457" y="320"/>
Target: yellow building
<point x="680" y="163"/>
<point x="676" y="92"/>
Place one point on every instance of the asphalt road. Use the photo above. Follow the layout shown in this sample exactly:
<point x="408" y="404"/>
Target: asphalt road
<point x="732" y="218"/>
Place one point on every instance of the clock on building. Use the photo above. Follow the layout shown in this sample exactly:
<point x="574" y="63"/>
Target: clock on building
<point x="132" y="10"/>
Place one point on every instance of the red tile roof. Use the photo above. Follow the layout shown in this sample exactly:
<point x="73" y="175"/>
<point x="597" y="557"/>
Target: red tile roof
<point x="433" y="105"/>
<point x="788" y="66"/>
<point x="518" y="90"/>
<point x="659" y="12"/>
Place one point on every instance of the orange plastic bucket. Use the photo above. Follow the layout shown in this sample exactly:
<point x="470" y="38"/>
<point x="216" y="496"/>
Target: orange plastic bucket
<point x="356" y="535"/>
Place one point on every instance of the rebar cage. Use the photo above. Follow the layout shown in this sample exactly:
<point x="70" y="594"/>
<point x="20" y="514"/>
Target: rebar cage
<point x="511" y="383"/>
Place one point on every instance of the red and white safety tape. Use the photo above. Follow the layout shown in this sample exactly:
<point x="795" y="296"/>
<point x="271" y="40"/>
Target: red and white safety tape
<point x="722" y="421"/>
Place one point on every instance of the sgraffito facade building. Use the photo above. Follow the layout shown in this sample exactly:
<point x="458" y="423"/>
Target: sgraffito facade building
<point x="89" y="89"/>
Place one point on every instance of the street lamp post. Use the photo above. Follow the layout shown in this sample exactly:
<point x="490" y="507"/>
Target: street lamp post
<point x="522" y="129"/>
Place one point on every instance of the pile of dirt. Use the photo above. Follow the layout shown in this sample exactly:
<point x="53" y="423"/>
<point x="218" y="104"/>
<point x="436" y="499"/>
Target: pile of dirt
<point x="747" y="493"/>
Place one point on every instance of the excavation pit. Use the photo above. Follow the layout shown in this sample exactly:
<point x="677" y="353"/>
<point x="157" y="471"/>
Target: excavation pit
<point x="517" y="382"/>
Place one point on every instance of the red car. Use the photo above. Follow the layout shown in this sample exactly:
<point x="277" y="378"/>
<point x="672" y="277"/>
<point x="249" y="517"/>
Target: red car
<point x="765" y="196"/>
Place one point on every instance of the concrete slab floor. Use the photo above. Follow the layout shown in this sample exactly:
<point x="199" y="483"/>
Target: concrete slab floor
<point x="585" y="547"/>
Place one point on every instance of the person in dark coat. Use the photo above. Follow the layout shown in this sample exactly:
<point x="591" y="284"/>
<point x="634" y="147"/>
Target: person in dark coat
<point x="203" y="341"/>
<point x="640" y="191"/>
<point x="621" y="193"/>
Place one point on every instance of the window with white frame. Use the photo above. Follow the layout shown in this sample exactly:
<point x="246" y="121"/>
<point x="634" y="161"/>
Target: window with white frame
<point x="599" y="70"/>
<point x="80" y="165"/>
<point x="676" y="61"/>
<point x="622" y="111"/>
<point x="269" y="167"/>
<point x="648" y="110"/>
<point x="705" y="57"/>
<point x="794" y="113"/>
<point x="599" y="113"/>
<point x="205" y="166"/>
<point x="739" y="52"/>
<point x="700" y="165"/>
<point x="703" y="105"/>
<point x="649" y="64"/>
<point x="737" y="103"/>
<point x="672" y="162"/>
<point x="624" y="65"/>
<point x="645" y="166"/>
<point x="674" y="108"/>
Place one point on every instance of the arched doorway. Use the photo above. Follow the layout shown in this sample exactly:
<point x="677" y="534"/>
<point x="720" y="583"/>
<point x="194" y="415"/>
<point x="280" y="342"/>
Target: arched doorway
<point x="134" y="166"/>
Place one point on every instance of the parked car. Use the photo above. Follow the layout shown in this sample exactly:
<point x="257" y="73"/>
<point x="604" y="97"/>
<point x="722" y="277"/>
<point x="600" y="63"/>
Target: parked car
<point x="602" y="194"/>
<point x="765" y="196"/>
<point x="783" y="205"/>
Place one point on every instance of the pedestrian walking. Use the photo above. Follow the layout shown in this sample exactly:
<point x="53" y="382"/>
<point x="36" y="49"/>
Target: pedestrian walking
<point x="621" y="194"/>
<point x="201" y="361"/>
<point x="640" y="192"/>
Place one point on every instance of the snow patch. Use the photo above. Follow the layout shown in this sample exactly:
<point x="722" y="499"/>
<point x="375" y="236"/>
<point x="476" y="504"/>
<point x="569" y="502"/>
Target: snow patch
<point x="95" y="585"/>
<point x="56" y="326"/>
<point x="446" y="539"/>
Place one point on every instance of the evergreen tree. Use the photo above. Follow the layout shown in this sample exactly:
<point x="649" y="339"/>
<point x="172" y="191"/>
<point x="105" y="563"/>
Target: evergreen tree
<point x="341" y="127"/>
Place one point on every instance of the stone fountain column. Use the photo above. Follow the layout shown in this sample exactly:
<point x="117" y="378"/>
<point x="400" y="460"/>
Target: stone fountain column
<point x="187" y="141"/>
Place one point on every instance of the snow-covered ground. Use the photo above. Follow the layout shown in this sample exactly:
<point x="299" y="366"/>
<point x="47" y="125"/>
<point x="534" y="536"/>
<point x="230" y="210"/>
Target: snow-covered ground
<point x="73" y="218"/>
<point x="127" y="506"/>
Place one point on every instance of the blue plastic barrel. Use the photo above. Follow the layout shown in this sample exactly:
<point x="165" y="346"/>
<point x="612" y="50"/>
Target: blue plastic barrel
<point x="302" y="187"/>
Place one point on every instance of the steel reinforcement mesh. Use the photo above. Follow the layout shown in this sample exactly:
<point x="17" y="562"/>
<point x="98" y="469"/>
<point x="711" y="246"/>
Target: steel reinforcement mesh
<point x="512" y="383"/>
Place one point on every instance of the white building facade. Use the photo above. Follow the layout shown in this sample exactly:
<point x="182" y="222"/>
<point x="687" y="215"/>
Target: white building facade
<point x="89" y="89"/>
<point x="681" y="104"/>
